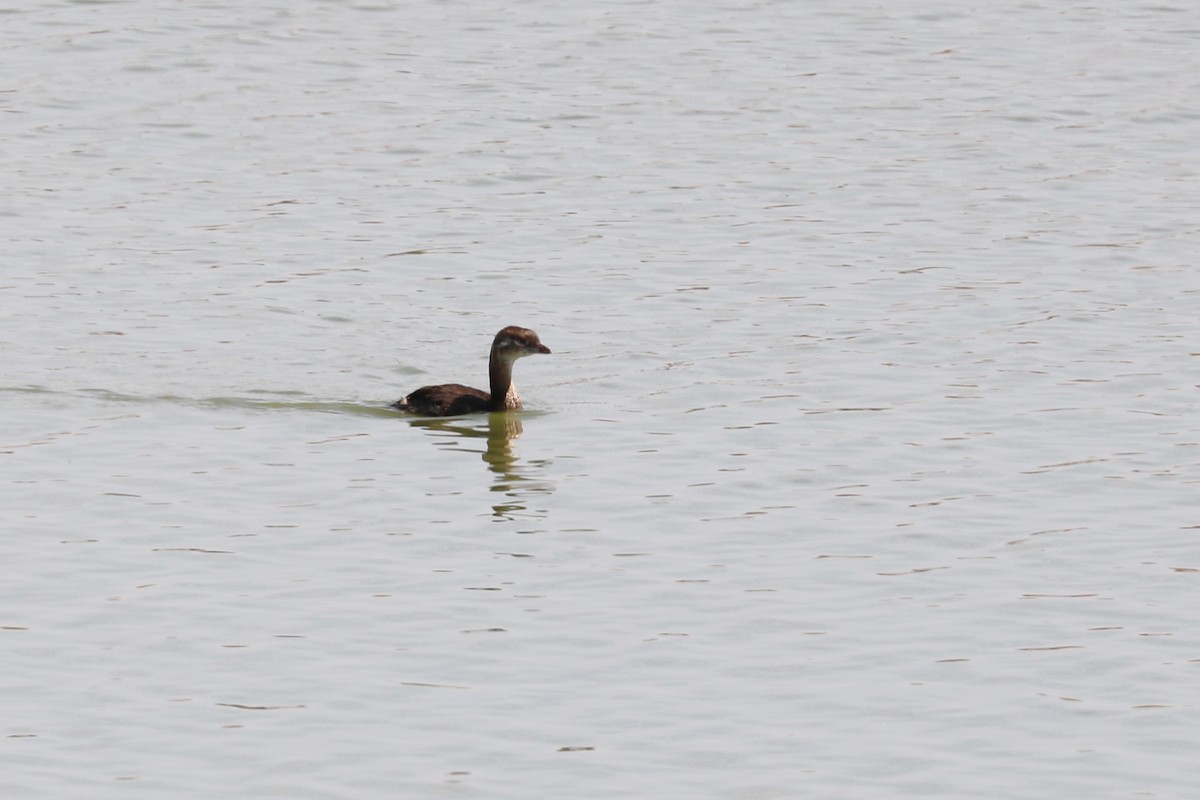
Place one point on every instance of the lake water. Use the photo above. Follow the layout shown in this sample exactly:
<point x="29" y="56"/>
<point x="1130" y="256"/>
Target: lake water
<point x="866" y="463"/>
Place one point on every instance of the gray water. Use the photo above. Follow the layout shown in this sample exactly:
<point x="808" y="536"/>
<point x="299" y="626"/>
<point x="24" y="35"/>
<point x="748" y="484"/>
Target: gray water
<point x="865" y="464"/>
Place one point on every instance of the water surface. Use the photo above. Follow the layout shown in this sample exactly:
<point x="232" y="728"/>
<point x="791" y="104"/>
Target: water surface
<point x="865" y="464"/>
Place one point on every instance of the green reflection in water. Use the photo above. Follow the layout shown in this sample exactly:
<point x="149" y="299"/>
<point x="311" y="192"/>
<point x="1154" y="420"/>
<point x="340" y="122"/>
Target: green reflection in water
<point x="517" y="480"/>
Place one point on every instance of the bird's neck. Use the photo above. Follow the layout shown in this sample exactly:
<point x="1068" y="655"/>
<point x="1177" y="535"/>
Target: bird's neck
<point x="504" y="394"/>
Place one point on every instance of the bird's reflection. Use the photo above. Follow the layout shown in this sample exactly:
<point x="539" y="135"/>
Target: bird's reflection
<point x="514" y="479"/>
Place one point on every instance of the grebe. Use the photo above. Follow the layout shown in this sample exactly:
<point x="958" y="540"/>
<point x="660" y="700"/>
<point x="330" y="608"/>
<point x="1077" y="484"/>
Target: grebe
<point x="452" y="399"/>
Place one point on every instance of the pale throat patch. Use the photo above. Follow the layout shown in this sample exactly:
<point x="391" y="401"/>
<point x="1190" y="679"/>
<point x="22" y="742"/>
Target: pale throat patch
<point x="511" y="398"/>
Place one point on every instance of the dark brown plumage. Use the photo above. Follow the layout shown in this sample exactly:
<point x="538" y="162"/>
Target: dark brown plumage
<point x="453" y="399"/>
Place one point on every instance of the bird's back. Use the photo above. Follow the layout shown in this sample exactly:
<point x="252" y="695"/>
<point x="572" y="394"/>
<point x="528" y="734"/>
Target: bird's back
<point x="445" y="400"/>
